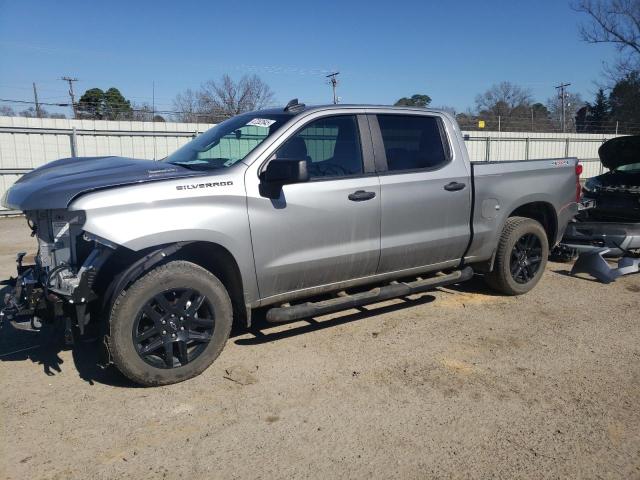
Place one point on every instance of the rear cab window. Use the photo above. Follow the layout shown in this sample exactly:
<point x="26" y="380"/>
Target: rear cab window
<point x="413" y="142"/>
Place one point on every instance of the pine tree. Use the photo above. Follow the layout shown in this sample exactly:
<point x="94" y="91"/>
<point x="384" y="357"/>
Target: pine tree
<point x="625" y="102"/>
<point x="599" y="113"/>
<point x="91" y="104"/>
<point x="116" y="106"/>
<point x="99" y="105"/>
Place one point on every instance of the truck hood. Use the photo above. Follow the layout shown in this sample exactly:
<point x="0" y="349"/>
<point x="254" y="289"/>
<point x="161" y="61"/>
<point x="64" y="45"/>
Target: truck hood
<point x="55" y="184"/>
<point x="620" y="151"/>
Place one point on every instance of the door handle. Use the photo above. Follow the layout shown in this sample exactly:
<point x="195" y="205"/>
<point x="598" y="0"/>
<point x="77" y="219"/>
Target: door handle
<point x="454" y="186"/>
<point x="361" y="195"/>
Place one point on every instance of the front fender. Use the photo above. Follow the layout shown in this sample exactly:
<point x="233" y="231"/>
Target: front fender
<point x="151" y="221"/>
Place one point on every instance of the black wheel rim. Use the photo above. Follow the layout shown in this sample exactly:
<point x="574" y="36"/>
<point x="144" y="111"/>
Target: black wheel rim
<point x="526" y="257"/>
<point x="173" y="328"/>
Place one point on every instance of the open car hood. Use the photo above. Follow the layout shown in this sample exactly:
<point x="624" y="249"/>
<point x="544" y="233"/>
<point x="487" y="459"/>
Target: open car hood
<point x="620" y="151"/>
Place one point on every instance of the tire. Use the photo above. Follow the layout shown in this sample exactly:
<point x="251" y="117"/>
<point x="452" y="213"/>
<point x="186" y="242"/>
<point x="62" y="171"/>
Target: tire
<point x="178" y="304"/>
<point x="517" y="269"/>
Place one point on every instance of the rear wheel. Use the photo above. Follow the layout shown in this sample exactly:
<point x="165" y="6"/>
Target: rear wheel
<point x="170" y="325"/>
<point x="521" y="257"/>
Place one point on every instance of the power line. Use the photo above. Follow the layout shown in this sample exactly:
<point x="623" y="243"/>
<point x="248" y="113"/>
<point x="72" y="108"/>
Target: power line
<point x="125" y="107"/>
<point x="8" y="100"/>
<point x="515" y="123"/>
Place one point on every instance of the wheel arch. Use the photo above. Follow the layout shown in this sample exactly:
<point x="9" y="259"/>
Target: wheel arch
<point x="220" y="262"/>
<point x="127" y="265"/>
<point x="542" y="212"/>
<point x="538" y="210"/>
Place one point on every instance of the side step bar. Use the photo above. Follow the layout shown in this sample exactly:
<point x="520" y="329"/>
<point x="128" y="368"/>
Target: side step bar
<point x="393" y="290"/>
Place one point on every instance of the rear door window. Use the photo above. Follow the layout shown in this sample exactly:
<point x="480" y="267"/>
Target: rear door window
<point x="413" y="142"/>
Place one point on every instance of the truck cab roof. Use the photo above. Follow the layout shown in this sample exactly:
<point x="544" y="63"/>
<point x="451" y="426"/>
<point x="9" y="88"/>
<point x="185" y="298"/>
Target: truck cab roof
<point x="302" y="108"/>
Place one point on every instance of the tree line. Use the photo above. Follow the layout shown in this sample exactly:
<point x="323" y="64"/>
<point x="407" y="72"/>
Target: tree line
<point x="213" y="102"/>
<point x="505" y="106"/>
<point x="615" y="106"/>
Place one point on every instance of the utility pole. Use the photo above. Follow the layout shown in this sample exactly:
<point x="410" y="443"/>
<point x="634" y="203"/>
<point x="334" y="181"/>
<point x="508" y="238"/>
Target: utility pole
<point x="153" y="103"/>
<point x="35" y="97"/>
<point x="73" y="98"/>
<point x="153" y="116"/>
<point x="334" y="83"/>
<point x="532" y="119"/>
<point x="563" y="96"/>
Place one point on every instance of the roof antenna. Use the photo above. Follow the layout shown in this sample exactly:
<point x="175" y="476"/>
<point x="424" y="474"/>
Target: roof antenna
<point x="294" y="106"/>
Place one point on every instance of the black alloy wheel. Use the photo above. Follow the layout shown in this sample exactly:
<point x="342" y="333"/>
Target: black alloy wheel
<point x="526" y="257"/>
<point x="173" y="328"/>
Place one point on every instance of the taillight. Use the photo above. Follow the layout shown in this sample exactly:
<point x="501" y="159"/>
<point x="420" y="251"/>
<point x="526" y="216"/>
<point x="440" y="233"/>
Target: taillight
<point x="578" y="186"/>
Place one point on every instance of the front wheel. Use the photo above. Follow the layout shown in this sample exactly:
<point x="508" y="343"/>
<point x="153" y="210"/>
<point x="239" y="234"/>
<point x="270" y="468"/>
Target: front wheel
<point x="521" y="257"/>
<point x="170" y="325"/>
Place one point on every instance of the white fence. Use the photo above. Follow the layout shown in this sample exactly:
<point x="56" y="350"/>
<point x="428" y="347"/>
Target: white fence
<point x="496" y="146"/>
<point x="27" y="143"/>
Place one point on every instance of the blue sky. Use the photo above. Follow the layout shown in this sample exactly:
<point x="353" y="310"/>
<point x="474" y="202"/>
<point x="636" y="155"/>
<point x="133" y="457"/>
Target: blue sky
<point x="383" y="49"/>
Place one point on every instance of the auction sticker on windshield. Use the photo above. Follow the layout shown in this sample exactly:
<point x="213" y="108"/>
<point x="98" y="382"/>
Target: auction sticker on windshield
<point x="261" y="122"/>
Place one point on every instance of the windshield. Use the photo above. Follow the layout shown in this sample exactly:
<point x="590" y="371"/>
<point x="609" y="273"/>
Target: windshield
<point x="228" y="142"/>
<point x="631" y="167"/>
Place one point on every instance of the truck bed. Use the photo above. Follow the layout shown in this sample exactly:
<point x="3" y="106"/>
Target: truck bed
<point x="498" y="188"/>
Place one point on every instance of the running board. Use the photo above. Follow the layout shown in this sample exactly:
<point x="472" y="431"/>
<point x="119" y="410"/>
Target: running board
<point x="393" y="290"/>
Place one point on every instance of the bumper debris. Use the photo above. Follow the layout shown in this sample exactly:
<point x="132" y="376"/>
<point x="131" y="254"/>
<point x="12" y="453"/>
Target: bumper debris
<point x="593" y="263"/>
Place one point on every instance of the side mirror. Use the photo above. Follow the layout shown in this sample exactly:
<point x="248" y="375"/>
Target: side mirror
<point x="283" y="172"/>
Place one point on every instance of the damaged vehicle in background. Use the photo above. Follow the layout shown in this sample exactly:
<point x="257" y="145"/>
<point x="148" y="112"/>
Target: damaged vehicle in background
<point x="610" y="217"/>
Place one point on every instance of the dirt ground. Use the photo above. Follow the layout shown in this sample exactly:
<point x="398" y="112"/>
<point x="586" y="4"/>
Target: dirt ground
<point x="457" y="383"/>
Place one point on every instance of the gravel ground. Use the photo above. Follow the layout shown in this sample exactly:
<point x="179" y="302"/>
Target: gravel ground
<point x="456" y="383"/>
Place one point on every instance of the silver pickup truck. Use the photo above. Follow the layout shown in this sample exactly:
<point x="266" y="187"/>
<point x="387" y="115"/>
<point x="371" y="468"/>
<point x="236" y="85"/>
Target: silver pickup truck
<point x="299" y="211"/>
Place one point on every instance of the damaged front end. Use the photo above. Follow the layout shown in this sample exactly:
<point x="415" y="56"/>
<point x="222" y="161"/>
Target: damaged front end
<point x="57" y="284"/>
<point x="609" y="220"/>
<point x="608" y="224"/>
<point x="589" y="236"/>
<point x="615" y="195"/>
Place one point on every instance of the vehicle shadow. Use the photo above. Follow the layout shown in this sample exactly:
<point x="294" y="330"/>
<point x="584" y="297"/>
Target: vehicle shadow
<point x="41" y="348"/>
<point x="581" y="276"/>
<point x="475" y="285"/>
<point x="260" y="328"/>
<point x="44" y="348"/>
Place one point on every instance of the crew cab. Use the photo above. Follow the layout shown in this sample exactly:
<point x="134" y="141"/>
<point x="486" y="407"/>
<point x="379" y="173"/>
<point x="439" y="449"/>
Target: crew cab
<point x="293" y="210"/>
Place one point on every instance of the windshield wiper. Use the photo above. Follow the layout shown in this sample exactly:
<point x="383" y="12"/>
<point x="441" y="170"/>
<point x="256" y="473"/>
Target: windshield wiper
<point x="195" y="166"/>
